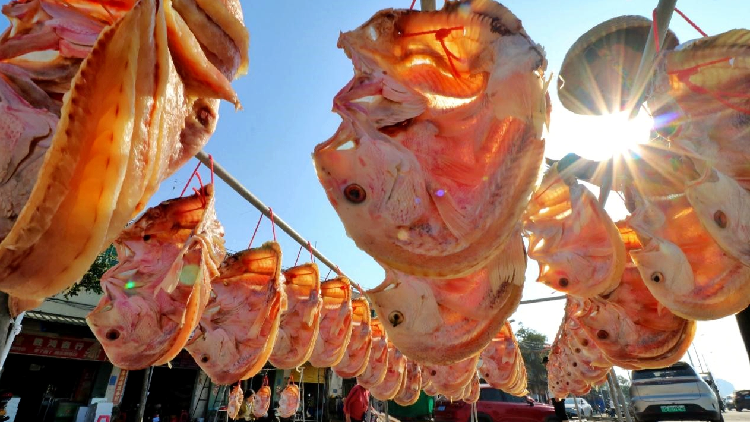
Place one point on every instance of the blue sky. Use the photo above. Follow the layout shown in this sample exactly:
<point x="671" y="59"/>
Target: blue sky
<point x="295" y="70"/>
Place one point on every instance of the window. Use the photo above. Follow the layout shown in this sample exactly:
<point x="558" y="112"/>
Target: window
<point x="490" y="394"/>
<point x="671" y="372"/>
<point x="514" y="399"/>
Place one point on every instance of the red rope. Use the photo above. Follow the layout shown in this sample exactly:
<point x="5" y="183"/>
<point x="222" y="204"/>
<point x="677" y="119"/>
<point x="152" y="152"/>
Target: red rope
<point x="687" y="19"/>
<point x="329" y="273"/>
<point x="656" y="31"/>
<point x="413" y="2"/>
<point x="190" y="179"/>
<point x="298" y="252"/>
<point x="256" y="231"/>
<point x="273" y="223"/>
<point x="198" y="175"/>
<point x="211" y="157"/>
<point x="440" y="35"/>
<point x="312" y="257"/>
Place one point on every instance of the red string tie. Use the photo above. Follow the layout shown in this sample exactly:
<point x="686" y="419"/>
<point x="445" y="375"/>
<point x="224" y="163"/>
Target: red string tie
<point x="656" y="31"/>
<point x="298" y="253"/>
<point x="687" y="19"/>
<point x="273" y="223"/>
<point x="255" y="231"/>
<point x="440" y="35"/>
<point x="190" y="179"/>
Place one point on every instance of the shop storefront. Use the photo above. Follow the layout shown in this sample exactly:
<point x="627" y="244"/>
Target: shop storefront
<point x="170" y="391"/>
<point x="55" y="367"/>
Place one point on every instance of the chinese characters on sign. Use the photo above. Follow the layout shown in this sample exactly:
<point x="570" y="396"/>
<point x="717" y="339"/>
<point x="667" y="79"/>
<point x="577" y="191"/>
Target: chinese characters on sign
<point x="58" y="347"/>
<point x="120" y="386"/>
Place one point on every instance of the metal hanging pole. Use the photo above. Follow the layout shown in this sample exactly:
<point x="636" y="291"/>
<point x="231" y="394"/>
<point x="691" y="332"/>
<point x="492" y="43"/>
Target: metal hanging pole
<point x="224" y="175"/>
<point x="578" y="410"/>
<point x="427" y="5"/>
<point x="664" y="11"/>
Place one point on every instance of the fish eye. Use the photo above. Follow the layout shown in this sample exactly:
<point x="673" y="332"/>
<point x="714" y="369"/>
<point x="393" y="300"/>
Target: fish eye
<point x="355" y="193"/>
<point x="396" y="318"/>
<point x="112" y="335"/>
<point x="657" y="277"/>
<point x="205" y="358"/>
<point x="146" y="238"/>
<point x="720" y="218"/>
<point x="602" y="334"/>
<point x="563" y="282"/>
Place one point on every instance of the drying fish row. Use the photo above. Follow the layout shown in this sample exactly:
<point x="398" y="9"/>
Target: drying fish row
<point x="438" y="151"/>
<point x="259" y="403"/>
<point x="101" y="101"/>
<point x="636" y="287"/>
<point x="175" y="287"/>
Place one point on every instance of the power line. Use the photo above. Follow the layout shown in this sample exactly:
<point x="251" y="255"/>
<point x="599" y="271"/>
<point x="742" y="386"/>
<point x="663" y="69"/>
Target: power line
<point x="544" y="299"/>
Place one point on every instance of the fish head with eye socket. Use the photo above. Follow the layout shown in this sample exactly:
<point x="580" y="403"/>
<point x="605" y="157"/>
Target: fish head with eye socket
<point x="664" y="268"/>
<point x="409" y="310"/>
<point x="374" y="184"/>
<point x="604" y="322"/>
<point x="114" y="322"/>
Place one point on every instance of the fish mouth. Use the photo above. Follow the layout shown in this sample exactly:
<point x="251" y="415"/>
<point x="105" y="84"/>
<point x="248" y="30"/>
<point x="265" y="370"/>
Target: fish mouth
<point x="344" y="138"/>
<point x="358" y="93"/>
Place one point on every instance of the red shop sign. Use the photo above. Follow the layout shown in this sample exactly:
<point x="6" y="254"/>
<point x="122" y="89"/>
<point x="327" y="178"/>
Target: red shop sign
<point x="58" y="347"/>
<point x="120" y="386"/>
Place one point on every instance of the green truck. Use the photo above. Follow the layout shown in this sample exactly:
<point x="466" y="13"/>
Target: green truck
<point x="419" y="411"/>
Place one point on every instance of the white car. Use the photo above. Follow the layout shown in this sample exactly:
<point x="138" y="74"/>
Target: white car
<point x="583" y="406"/>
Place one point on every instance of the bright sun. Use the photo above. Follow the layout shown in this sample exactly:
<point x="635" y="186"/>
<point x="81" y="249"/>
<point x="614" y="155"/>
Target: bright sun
<point x="595" y="137"/>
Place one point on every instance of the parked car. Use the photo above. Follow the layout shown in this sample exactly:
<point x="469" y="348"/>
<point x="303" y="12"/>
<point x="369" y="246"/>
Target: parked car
<point x="742" y="400"/>
<point x="729" y="402"/>
<point x="583" y="406"/>
<point x="676" y="392"/>
<point x="495" y="406"/>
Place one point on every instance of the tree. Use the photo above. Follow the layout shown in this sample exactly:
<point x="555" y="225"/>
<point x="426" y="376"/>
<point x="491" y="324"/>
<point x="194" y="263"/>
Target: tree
<point x="90" y="281"/>
<point x="533" y="350"/>
<point x="624" y="386"/>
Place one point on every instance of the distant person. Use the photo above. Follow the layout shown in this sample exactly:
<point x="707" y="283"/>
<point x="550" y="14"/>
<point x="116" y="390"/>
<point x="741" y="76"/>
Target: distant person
<point x="356" y="404"/>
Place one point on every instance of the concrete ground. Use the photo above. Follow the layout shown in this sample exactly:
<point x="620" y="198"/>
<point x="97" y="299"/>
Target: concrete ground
<point x="729" y="416"/>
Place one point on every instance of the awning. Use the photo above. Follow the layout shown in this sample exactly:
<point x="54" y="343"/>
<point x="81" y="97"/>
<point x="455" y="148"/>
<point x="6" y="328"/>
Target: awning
<point x="43" y="316"/>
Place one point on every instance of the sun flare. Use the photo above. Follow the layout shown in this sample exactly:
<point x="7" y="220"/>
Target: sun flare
<point x="596" y="137"/>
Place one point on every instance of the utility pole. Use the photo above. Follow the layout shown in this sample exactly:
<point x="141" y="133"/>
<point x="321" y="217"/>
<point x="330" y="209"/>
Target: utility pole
<point x="621" y="396"/>
<point x="697" y="357"/>
<point x="613" y="395"/>
<point x="144" y="393"/>
<point x="691" y="359"/>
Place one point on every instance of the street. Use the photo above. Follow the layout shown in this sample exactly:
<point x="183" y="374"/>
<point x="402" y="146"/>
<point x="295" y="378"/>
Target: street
<point x="732" y="415"/>
<point x="729" y="415"/>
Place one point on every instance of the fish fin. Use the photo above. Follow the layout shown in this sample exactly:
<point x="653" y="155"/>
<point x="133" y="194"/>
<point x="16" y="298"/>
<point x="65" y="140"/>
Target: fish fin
<point x="456" y="220"/>
<point x="458" y="171"/>
<point x="510" y="264"/>
<point x="200" y="76"/>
